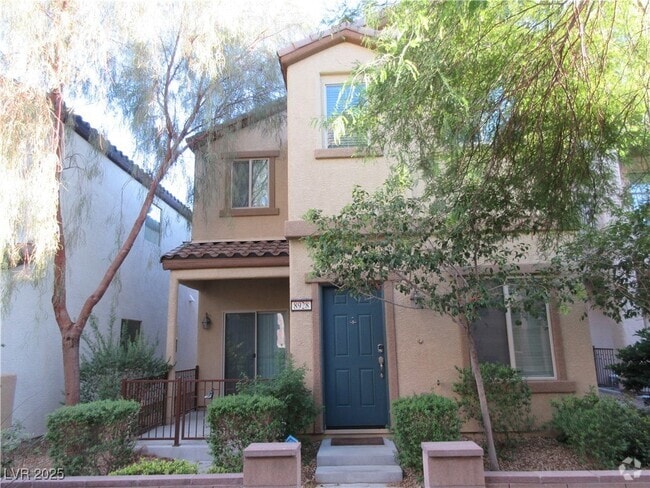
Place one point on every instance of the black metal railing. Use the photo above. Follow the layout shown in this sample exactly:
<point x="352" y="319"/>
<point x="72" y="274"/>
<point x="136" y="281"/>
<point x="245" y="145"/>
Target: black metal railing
<point x="174" y="409"/>
<point x="604" y="359"/>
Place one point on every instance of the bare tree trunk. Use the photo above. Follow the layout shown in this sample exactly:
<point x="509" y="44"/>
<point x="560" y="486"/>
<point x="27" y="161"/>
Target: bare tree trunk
<point x="485" y="412"/>
<point x="71" y="330"/>
<point x="70" y="334"/>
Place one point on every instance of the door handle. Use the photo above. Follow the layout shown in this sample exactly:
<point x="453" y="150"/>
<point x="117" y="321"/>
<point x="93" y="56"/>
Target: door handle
<point x="380" y="360"/>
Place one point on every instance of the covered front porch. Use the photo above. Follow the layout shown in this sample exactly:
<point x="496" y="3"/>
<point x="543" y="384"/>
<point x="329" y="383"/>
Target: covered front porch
<point x="242" y="326"/>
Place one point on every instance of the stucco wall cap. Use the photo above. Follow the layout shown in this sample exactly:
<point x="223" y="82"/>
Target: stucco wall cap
<point x="272" y="449"/>
<point x="452" y="449"/>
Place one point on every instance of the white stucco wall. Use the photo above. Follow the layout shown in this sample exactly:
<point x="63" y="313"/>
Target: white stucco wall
<point x="100" y="202"/>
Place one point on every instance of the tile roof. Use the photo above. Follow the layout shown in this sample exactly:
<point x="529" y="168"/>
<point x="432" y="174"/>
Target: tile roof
<point x="228" y="249"/>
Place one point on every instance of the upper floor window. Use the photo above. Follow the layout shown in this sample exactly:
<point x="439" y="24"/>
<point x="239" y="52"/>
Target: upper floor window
<point x="250" y="183"/>
<point x="153" y="224"/>
<point x="338" y="98"/>
<point x="521" y="340"/>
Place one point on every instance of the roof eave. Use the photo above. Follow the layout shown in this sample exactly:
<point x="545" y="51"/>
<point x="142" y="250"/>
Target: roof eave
<point x="298" y="51"/>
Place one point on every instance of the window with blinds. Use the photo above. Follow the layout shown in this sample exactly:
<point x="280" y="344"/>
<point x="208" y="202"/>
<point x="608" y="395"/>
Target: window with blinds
<point x="339" y="97"/>
<point x="522" y="340"/>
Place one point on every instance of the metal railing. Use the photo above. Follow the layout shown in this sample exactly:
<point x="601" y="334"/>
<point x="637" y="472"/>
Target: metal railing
<point x="174" y="409"/>
<point x="604" y="359"/>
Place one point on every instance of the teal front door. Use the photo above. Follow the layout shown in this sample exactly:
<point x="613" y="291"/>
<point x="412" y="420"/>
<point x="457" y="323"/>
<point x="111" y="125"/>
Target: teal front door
<point x="354" y="361"/>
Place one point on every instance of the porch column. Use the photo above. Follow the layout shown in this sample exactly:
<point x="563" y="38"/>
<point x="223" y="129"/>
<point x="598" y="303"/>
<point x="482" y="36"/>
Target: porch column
<point x="172" y="318"/>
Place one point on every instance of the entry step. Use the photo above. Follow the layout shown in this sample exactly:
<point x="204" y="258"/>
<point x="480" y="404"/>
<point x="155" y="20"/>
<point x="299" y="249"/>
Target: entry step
<point x="357" y="463"/>
<point x="358" y="474"/>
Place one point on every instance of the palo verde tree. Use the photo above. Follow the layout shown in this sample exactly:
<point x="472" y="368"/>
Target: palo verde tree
<point x="506" y="120"/>
<point x="176" y="70"/>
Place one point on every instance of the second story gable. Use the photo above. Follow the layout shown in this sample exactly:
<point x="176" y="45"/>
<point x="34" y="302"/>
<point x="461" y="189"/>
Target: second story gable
<point x="255" y="173"/>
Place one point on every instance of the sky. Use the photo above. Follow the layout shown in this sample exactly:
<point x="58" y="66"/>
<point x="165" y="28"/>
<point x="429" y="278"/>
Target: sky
<point x="310" y="13"/>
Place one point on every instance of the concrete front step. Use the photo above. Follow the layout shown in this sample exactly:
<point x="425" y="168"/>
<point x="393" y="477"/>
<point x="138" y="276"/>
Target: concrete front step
<point x="329" y="455"/>
<point x="357" y="464"/>
<point x="358" y="474"/>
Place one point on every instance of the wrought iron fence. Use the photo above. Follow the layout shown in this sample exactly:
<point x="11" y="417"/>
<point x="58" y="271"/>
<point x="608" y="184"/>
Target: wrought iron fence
<point x="604" y="359"/>
<point x="174" y="409"/>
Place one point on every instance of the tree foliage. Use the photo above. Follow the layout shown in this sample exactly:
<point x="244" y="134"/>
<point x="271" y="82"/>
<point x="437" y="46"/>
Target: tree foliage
<point x="529" y="99"/>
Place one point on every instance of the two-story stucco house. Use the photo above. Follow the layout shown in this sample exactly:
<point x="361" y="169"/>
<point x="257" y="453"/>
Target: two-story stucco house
<point x="256" y="179"/>
<point x="102" y="192"/>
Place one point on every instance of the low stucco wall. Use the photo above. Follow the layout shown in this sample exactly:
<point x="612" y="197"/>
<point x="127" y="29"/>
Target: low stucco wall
<point x="460" y="464"/>
<point x="168" y="481"/>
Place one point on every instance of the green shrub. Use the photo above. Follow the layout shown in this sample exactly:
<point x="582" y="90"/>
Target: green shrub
<point x="299" y="409"/>
<point x="93" y="438"/>
<point x="603" y="428"/>
<point x="158" y="466"/>
<point x="10" y="440"/>
<point x="422" y="418"/>
<point x="508" y="397"/>
<point x="236" y="421"/>
<point x="107" y="362"/>
<point x="634" y="368"/>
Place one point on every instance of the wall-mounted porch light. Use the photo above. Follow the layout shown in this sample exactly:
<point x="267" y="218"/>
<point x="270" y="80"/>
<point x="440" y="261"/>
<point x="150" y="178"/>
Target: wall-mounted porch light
<point x="206" y="322"/>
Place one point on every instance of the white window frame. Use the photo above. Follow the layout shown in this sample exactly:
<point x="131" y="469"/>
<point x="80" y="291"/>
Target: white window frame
<point x="511" y="345"/>
<point x="250" y="182"/>
<point x="333" y="81"/>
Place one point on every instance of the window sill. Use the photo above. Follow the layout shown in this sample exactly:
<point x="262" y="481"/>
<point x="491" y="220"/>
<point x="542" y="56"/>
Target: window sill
<point x="552" y="386"/>
<point x="344" y="153"/>
<point x="249" y="212"/>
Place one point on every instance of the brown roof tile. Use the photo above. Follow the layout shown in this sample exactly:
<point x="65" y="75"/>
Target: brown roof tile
<point x="228" y="249"/>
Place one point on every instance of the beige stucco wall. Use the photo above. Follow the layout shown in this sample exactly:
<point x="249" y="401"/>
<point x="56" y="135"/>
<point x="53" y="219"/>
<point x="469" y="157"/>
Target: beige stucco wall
<point x="212" y="178"/>
<point x="429" y="346"/>
<point x="322" y="183"/>
<point x="220" y="297"/>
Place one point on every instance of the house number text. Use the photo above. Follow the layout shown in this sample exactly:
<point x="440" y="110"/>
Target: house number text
<point x="301" y="305"/>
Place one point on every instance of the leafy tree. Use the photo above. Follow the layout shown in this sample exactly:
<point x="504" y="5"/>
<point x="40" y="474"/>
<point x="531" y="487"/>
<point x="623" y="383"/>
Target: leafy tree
<point x="503" y="119"/>
<point x="452" y="260"/>
<point x="177" y="69"/>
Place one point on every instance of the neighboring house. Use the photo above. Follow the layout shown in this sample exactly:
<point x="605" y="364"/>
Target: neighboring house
<point x="256" y="179"/>
<point x="102" y="192"/>
<point x="606" y="334"/>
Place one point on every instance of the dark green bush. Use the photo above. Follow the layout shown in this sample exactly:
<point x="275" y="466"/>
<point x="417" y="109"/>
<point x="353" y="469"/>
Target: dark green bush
<point x="236" y="421"/>
<point x="634" y="368"/>
<point x="107" y="362"/>
<point x="603" y="428"/>
<point x="299" y="409"/>
<point x="93" y="438"/>
<point x="508" y="397"/>
<point x="158" y="466"/>
<point x="422" y="418"/>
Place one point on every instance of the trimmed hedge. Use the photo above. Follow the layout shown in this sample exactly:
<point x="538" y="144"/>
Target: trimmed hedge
<point x="236" y="421"/>
<point x="603" y="428"/>
<point x="423" y="418"/>
<point x="158" y="466"/>
<point x="93" y="438"/>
